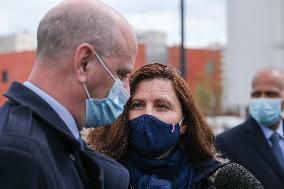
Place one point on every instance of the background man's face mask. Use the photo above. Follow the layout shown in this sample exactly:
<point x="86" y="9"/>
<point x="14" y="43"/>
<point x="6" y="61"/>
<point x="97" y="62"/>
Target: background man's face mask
<point x="266" y="111"/>
<point x="101" y="112"/>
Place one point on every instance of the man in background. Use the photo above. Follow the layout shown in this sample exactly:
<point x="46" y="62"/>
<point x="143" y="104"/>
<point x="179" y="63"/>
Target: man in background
<point x="84" y="54"/>
<point x="258" y="143"/>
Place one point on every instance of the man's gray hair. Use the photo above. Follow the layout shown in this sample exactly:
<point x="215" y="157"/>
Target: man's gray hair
<point x="65" y="27"/>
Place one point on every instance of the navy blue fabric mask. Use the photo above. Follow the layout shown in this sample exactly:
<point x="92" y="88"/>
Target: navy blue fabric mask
<point x="151" y="136"/>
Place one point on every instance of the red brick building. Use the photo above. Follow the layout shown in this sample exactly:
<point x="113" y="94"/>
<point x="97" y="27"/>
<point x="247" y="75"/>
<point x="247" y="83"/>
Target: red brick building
<point x="17" y="67"/>
<point x="203" y="72"/>
<point x="14" y="66"/>
<point x="141" y="57"/>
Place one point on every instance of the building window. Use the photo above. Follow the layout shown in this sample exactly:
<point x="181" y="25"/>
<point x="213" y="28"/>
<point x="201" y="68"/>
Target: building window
<point x="210" y="67"/>
<point x="5" y="76"/>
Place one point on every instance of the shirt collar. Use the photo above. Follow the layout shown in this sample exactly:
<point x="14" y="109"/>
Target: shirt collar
<point x="63" y="113"/>
<point x="268" y="132"/>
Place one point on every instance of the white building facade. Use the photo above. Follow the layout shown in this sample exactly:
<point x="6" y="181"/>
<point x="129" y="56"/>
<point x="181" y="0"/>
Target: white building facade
<point x="17" y="42"/>
<point x="255" y="40"/>
<point x="155" y="45"/>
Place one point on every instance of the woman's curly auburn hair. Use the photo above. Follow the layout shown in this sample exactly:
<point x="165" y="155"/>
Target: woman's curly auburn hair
<point x="198" y="139"/>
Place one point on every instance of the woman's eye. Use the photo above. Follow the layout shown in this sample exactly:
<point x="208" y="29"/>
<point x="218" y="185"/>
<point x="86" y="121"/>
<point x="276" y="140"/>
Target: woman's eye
<point x="136" y="105"/>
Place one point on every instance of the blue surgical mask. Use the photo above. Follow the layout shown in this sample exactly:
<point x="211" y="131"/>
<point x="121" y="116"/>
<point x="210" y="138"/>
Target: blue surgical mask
<point x="266" y="111"/>
<point x="151" y="136"/>
<point x="101" y="112"/>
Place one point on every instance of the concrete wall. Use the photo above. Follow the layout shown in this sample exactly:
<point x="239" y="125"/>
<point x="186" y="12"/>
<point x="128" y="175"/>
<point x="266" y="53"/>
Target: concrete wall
<point x="255" y="40"/>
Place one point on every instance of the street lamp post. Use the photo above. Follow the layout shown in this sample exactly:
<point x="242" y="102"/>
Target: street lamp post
<point x="182" y="49"/>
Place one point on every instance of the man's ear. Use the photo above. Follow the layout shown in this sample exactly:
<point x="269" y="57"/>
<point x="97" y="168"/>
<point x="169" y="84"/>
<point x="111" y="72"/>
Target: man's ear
<point x="82" y="57"/>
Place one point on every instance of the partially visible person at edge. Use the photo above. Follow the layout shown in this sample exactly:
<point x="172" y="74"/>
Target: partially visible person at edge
<point x="85" y="51"/>
<point x="258" y="143"/>
<point x="161" y="138"/>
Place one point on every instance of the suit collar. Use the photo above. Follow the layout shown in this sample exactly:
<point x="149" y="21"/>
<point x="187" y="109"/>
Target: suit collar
<point x="257" y="138"/>
<point x="24" y="96"/>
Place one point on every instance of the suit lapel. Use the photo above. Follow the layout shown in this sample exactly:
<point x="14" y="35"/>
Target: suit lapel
<point x="257" y="138"/>
<point x="92" y="169"/>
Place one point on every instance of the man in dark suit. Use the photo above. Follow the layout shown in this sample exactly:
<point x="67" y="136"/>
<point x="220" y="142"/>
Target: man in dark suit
<point x="84" y="53"/>
<point x="258" y="143"/>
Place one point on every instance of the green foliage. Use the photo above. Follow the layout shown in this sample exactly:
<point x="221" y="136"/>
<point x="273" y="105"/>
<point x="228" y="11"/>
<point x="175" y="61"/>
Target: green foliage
<point x="203" y="97"/>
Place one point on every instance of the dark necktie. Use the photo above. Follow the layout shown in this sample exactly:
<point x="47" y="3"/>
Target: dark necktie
<point x="275" y="138"/>
<point x="81" y="141"/>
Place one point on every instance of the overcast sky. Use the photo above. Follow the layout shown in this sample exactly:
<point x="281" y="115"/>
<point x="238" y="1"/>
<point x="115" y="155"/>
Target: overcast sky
<point x="205" y="19"/>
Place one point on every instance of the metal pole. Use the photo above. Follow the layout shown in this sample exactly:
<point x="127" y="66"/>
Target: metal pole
<point x="182" y="49"/>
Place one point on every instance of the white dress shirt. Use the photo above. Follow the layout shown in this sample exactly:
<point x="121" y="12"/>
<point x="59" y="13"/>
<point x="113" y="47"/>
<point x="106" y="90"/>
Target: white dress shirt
<point x="63" y="113"/>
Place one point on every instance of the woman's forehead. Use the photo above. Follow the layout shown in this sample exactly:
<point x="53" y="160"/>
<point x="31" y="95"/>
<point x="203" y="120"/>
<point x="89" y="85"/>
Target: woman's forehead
<point x="155" y="88"/>
<point x="154" y="85"/>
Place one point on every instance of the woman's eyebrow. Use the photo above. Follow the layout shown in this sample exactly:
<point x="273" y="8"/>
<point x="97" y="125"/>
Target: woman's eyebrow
<point x="137" y="98"/>
<point x="164" y="100"/>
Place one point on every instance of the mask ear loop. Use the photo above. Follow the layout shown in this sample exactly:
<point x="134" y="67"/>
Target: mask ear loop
<point x="112" y="76"/>
<point x="173" y="128"/>
<point x="86" y="91"/>
<point x="103" y="64"/>
<point x="179" y="123"/>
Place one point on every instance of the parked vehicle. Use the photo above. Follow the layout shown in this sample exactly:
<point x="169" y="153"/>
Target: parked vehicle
<point x="221" y="123"/>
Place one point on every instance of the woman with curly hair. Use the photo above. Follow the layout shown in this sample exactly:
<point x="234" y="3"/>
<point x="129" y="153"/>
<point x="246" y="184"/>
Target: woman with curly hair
<point x="161" y="137"/>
